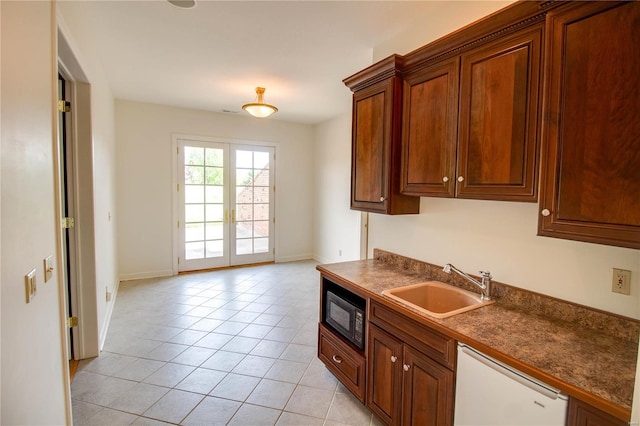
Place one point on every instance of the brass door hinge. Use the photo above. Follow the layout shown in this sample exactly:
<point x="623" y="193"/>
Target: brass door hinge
<point x="68" y="222"/>
<point x="72" y="322"/>
<point x="64" y="106"/>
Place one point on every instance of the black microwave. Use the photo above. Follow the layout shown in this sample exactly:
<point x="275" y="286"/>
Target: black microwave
<point x="345" y="317"/>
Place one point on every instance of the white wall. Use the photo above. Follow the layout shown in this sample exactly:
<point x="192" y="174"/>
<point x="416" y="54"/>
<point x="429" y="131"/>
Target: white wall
<point x="104" y="169"/>
<point x="145" y="164"/>
<point x="336" y="227"/>
<point x="33" y="360"/>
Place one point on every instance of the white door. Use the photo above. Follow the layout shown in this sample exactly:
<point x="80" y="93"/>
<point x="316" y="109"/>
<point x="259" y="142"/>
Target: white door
<point x="225" y="204"/>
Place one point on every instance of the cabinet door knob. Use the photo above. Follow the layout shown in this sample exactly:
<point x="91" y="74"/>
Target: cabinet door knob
<point x="445" y="179"/>
<point x="337" y="359"/>
<point x="381" y="198"/>
<point x="394" y="358"/>
<point x="545" y="212"/>
<point x="460" y="178"/>
<point x="406" y="367"/>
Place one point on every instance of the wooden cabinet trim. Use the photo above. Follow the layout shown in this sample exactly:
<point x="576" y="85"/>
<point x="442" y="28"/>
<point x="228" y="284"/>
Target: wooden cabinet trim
<point x="347" y="364"/>
<point x="430" y="342"/>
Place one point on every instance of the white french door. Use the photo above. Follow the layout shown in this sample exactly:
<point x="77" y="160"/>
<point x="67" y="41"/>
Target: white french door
<point x="225" y="204"/>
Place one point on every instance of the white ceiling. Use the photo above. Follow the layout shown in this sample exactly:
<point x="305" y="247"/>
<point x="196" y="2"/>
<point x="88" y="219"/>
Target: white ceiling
<point x="213" y="56"/>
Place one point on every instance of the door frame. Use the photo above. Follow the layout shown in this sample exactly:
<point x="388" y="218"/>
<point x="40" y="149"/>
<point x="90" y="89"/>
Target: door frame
<point x="175" y="180"/>
<point x="86" y="336"/>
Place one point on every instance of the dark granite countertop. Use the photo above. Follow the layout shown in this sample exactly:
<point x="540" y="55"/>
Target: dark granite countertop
<point x="585" y="353"/>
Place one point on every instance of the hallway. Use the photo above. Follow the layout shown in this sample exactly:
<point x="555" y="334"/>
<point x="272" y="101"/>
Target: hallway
<point x="235" y="346"/>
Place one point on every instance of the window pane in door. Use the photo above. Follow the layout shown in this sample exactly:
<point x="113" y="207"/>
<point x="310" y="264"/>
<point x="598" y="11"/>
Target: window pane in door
<point x="215" y="248"/>
<point x="194" y="250"/>
<point x="194" y="232"/>
<point x="194" y="175"/>
<point x="244" y="246"/>
<point x="214" y="230"/>
<point x="214" y="194"/>
<point x="193" y="194"/>
<point x="193" y="155"/>
<point x="261" y="245"/>
<point x="194" y="213"/>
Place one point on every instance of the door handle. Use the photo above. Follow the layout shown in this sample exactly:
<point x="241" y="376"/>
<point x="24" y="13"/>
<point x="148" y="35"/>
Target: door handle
<point x="233" y="216"/>
<point x="226" y="216"/>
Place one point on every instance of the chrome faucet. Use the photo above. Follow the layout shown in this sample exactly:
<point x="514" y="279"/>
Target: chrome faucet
<point x="485" y="285"/>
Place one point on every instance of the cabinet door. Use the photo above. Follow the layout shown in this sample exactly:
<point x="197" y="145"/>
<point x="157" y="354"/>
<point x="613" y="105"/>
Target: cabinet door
<point x="429" y="130"/>
<point x="498" y="139"/>
<point x="370" y="147"/>
<point x="582" y="414"/>
<point x="591" y="133"/>
<point x="428" y="392"/>
<point x="384" y="366"/>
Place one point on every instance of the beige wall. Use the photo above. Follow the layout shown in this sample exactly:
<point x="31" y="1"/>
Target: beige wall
<point x="146" y="162"/>
<point x="336" y="227"/>
<point x="33" y="352"/>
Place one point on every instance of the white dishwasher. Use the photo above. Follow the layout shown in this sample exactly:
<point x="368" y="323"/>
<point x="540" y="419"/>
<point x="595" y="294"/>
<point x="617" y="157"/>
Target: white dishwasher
<point x="490" y="393"/>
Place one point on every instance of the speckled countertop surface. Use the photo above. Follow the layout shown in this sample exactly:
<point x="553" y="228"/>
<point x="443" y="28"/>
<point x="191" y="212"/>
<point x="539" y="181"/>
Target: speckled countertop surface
<point x="593" y="365"/>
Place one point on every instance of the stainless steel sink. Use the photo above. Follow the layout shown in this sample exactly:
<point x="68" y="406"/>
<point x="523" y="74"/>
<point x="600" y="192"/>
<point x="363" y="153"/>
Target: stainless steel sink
<point x="437" y="299"/>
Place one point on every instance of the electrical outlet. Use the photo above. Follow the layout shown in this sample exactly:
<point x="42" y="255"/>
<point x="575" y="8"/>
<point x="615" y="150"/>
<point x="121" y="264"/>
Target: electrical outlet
<point x="30" y="285"/>
<point x="621" y="281"/>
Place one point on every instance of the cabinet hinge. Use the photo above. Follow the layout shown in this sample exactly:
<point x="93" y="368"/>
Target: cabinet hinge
<point x="64" y="106"/>
<point x="68" y="222"/>
<point x="72" y="322"/>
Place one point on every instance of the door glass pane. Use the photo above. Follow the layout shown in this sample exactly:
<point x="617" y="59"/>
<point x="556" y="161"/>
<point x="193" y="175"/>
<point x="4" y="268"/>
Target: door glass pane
<point x="214" y="194"/>
<point x="214" y="175"/>
<point x="244" y="177"/>
<point x="193" y="194"/>
<point x="215" y="248"/>
<point x="261" y="229"/>
<point x="214" y="230"/>
<point x="261" y="245"/>
<point x="194" y="175"/>
<point x="194" y="213"/>
<point x="214" y="212"/>
<point x="244" y="194"/>
<point x="244" y="246"/>
<point x="194" y="250"/>
<point x="261" y="212"/>
<point x="193" y="155"/>
<point x="194" y="232"/>
<point x="214" y="157"/>
<point x="244" y="159"/>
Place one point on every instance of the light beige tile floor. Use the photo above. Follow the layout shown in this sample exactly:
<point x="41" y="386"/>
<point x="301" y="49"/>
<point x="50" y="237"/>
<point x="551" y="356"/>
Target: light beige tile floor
<point x="234" y="347"/>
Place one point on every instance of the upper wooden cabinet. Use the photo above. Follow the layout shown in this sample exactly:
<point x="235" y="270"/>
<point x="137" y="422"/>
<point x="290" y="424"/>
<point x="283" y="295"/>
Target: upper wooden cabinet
<point x="590" y="187"/>
<point x="375" y="157"/>
<point x="470" y="122"/>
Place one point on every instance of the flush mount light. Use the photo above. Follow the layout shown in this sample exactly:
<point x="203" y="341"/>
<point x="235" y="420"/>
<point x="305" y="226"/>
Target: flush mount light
<point x="259" y="108"/>
<point x="184" y="4"/>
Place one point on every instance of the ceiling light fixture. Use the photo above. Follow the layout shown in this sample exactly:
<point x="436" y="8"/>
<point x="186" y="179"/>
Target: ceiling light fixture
<point x="259" y="108"/>
<point x="183" y="4"/>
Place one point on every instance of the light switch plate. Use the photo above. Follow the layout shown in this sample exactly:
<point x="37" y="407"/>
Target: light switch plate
<point x="48" y="268"/>
<point x="30" y="285"/>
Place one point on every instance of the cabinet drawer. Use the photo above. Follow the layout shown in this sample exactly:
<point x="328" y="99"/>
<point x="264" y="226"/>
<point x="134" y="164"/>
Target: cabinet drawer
<point x="439" y="347"/>
<point x="342" y="360"/>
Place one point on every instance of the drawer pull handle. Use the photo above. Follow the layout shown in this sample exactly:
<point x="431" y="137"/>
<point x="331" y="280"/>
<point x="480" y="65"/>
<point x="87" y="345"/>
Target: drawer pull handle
<point x="337" y="359"/>
<point x="394" y="358"/>
<point x="406" y="367"/>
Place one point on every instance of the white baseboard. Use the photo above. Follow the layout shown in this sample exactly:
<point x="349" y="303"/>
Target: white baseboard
<point x="145" y="275"/>
<point x="109" y="313"/>
<point x="283" y="259"/>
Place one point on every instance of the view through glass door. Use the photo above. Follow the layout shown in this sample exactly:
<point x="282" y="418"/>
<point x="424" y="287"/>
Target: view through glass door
<point x="225" y="204"/>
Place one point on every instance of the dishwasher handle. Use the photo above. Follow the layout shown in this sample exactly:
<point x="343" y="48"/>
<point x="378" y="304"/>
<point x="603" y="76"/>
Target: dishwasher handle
<point x="521" y="378"/>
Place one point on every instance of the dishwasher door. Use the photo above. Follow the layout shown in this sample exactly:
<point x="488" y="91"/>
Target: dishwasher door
<point x="490" y="393"/>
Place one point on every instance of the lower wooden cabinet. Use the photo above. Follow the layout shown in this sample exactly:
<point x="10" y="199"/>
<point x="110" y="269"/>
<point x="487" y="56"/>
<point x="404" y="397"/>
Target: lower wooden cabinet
<point x="582" y="414"/>
<point x="346" y="363"/>
<point x="404" y="386"/>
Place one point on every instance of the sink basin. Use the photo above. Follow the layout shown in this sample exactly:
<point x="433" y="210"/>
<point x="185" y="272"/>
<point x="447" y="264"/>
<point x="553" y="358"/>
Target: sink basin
<point x="437" y="299"/>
